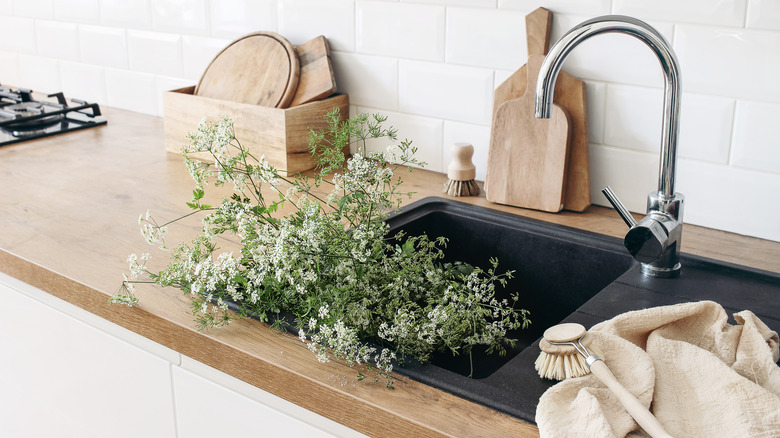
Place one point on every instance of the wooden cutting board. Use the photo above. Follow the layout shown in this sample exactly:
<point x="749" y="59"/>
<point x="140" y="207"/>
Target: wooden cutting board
<point x="528" y="156"/>
<point x="317" y="80"/>
<point x="261" y="68"/>
<point x="570" y="94"/>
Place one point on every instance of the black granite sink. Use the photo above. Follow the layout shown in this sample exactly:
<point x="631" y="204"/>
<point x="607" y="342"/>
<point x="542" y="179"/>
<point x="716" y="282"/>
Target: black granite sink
<point x="562" y="274"/>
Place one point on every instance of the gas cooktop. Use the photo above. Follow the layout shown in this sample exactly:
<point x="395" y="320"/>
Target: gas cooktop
<point x="25" y="115"/>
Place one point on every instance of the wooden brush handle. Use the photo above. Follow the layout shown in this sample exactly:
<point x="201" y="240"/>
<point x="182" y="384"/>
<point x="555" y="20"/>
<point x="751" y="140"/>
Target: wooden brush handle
<point x="643" y="417"/>
<point x="461" y="168"/>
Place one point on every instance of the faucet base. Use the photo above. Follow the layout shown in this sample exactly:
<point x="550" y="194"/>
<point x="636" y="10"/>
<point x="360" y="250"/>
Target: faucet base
<point x="660" y="272"/>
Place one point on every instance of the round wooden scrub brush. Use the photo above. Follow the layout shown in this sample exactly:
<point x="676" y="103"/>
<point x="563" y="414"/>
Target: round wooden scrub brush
<point x="461" y="172"/>
<point x="563" y="356"/>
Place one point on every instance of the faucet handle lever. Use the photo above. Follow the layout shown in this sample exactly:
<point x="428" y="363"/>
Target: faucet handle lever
<point x="619" y="207"/>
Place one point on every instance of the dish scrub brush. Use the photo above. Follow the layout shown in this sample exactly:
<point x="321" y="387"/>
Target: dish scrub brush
<point x="461" y="172"/>
<point x="563" y="356"/>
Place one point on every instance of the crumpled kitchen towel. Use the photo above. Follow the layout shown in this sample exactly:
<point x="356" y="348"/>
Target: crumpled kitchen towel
<point x="703" y="376"/>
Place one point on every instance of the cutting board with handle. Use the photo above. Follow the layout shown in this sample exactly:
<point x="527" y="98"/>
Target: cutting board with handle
<point x="528" y="156"/>
<point x="570" y="94"/>
<point x="261" y="68"/>
<point x="317" y="80"/>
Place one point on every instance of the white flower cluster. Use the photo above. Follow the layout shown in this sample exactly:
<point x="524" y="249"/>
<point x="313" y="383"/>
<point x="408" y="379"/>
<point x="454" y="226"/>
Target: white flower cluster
<point x="342" y="340"/>
<point x="153" y="233"/>
<point x="211" y="136"/>
<point x="136" y="269"/>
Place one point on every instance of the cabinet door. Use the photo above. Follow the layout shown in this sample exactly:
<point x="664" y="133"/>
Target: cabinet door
<point x="61" y="377"/>
<point x="206" y="409"/>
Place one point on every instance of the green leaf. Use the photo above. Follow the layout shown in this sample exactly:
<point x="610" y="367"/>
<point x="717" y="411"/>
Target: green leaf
<point x="408" y="248"/>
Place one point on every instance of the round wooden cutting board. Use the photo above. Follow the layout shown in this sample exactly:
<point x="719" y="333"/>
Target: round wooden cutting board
<point x="261" y="68"/>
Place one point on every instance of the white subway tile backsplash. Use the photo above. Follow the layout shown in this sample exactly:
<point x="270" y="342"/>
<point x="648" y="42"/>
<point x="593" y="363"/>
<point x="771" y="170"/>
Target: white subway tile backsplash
<point x="370" y="81"/>
<point x="424" y="133"/>
<point x="586" y="7"/>
<point x="234" y="18"/>
<point x="134" y="14"/>
<point x="446" y="91"/>
<point x="729" y="62"/>
<point x="632" y="117"/>
<point x="82" y="11"/>
<point x="105" y="46"/>
<point x="34" y="8"/>
<point x="132" y="91"/>
<point x="39" y="73"/>
<point x="476" y="135"/>
<point x="197" y="54"/>
<point x="486" y="38"/>
<point x="155" y="52"/>
<point x="631" y="174"/>
<point x="753" y="208"/>
<point x="724" y="12"/>
<point x="9" y="68"/>
<point x="83" y="81"/>
<point x="181" y="16"/>
<point x="57" y="39"/>
<point x="413" y="31"/>
<point x="595" y="100"/>
<point x="434" y="64"/>
<point x="17" y="34"/>
<point x="475" y="3"/>
<point x="302" y="20"/>
<point x="763" y="14"/>
<point x="706" y="123"/>
<point x="756" y="142"/>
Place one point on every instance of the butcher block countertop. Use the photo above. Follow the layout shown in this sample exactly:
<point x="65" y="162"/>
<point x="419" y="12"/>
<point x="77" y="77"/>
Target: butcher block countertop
<point x="70" y="205"/>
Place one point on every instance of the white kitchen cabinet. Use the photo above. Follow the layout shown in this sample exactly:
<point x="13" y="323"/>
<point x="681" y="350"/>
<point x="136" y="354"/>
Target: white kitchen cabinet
<point x="65" y="372"/>
<point x="75" y="380"/>
<point x="206" y="409"/>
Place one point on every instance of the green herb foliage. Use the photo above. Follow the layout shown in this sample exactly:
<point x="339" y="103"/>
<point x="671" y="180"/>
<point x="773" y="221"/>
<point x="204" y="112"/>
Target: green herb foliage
<point x="358" y="294"/>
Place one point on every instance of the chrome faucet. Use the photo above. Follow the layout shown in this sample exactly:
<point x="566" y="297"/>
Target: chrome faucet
<point x="655" y="240"/>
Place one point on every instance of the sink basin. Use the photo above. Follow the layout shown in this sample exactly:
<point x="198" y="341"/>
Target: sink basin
<point x="562" y="274"/>
<point x="557" y="270"/>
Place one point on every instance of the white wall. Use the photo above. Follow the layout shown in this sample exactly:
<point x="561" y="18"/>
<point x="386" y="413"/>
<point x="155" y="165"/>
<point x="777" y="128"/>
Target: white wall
<point x="432" y="65"/>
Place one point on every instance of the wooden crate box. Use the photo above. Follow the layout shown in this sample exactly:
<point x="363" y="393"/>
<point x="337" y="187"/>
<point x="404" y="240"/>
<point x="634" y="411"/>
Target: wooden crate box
<point x="282" y="135"/>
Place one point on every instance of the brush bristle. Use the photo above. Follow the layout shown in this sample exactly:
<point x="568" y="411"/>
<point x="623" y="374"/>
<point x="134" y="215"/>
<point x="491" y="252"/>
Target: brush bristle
<point x="461" y="188"/>
<point x="561" y="366"/>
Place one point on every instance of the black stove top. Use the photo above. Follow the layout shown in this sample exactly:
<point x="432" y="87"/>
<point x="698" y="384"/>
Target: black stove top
<point x="25" y="115"/>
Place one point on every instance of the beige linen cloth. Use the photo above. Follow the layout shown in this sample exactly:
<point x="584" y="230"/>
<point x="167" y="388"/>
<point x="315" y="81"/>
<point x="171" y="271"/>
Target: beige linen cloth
<point x="703" y="376"/>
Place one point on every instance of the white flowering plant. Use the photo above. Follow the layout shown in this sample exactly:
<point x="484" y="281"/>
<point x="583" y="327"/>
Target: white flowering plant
<point x="357" y="292"/>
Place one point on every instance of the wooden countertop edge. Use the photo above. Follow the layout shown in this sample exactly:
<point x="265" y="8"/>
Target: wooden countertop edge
<point x="331" y="390"/>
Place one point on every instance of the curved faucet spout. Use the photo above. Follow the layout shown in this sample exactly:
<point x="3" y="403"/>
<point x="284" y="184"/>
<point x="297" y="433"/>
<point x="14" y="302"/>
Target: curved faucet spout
<point x="653" y="39"/>
<point x="655" y="240"/>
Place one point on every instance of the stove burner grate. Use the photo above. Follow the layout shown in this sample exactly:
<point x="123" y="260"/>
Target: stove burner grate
<point x="23" y="117"/>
